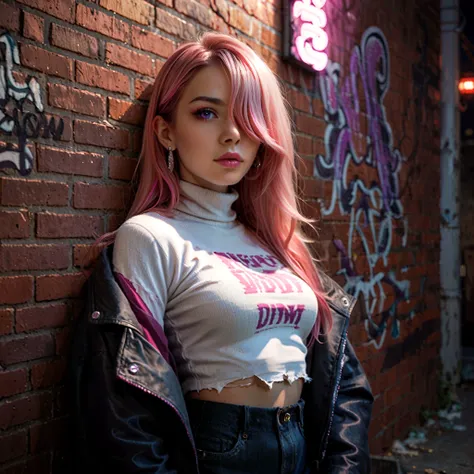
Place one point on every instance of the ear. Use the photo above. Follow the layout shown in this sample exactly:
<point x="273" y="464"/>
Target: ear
<point x="163" y="132"/>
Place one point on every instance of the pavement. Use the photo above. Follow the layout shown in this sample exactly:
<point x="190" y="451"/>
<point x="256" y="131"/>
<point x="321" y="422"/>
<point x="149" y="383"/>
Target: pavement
<point x="447" y="451"/>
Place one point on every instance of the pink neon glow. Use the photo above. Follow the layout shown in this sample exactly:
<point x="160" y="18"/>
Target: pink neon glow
<point x="310" y="39"/>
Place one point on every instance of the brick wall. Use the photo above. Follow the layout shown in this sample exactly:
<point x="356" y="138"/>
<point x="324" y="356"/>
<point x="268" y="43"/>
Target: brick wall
<point x="85" y="69"/>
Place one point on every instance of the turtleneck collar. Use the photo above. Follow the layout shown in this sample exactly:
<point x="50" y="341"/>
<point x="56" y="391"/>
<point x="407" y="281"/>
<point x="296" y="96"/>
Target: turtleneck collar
<point x="203" y="204"/>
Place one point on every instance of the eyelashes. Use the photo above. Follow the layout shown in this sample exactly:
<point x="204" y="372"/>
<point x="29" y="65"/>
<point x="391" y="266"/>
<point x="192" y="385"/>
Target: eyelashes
<point x="204" y="114"/>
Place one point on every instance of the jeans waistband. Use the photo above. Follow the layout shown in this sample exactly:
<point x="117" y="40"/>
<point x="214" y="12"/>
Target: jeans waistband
<point x="247" y="418"/>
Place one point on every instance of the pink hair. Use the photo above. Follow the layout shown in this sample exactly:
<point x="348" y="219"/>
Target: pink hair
<point x="267" y="203"/>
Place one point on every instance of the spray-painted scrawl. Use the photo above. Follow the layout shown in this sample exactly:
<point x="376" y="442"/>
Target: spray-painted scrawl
<point x="15" y="121"/>
<point x="365" y="185"/>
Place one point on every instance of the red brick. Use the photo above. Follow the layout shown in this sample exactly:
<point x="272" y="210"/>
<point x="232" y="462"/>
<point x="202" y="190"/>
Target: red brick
<point x="168" y="3"/>
<point x="107" y="25"/>
<point x="82" y="163"/>
<point x="44" y="61"/>
<point x="305" y="167"/>
<point x="310" y="125"/>
<point x="98" y="196"/>
<point x="136" y="10"/>
<point x="25" y="348"/>
<point x="143" y="89"/>
<point x="66" y="135"/>
<point x="54" y="287"/>
<point x="49" y="435"/>
<point x="14" y="444"/>
<point x="6" y="322"/>
<point x="33" y="27"/>
<point x="75" y="41"/>
<point x="14" y="225"/>
<point x="271" y="39"/>
<point x="240" y="20"/>
<point x="96" y="76"/>
<point x="63" y="341"/>
<point x="176" y="26"/>
<point x="33" y="407"/>
<point x="194" y="10"/>
<point x="13" y="382"/>
<point x="40" y="464"/>
<point x="24" y="192"/>
<point x="121" y="167"/>
<point x="48" y="373"/>
<point x="96" y="134"/>
<point x="16" y="289"/>
<point x="76" y="100"/>
<point x="143" y="39"/>
<point x="126" y="111"/>
<point x="84" y="255"/>
<point x="54" y="226"/>
<point x="34" y="257"/>
<point x="39" y="317"/>
<point x="115" y="54"/>
<point x="63" y="9"/>
<point x="10" y="17"/>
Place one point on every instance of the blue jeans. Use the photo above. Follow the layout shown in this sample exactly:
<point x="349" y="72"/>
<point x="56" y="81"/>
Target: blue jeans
<point x="240" y="439"/>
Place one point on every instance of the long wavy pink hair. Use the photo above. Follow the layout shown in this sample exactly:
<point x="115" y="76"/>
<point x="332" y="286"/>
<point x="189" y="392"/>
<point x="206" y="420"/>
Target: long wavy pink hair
<point x="267" y="204"/>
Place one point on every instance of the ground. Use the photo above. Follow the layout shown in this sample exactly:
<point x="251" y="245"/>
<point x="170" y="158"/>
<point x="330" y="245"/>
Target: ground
<point x="452" y="451"/>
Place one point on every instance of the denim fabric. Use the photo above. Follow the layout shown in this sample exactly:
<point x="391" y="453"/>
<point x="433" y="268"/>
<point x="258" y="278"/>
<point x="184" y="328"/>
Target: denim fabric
<point x="239" y="439"/>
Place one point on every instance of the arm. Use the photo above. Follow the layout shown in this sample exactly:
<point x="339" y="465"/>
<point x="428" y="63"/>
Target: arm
<point x="117" y="427"/>
<point x="113" y="428"/>
<point x="348" y="448"/>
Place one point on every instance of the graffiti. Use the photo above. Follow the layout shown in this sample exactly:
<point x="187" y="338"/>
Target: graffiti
<point x="15" y="119"/>
<point x="365" y="183"/>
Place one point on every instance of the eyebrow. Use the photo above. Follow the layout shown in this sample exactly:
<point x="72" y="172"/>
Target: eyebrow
<point x="213" y="100"/>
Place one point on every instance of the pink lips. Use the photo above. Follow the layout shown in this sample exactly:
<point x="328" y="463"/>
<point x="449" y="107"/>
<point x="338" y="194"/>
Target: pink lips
<point x="229" y="160"/>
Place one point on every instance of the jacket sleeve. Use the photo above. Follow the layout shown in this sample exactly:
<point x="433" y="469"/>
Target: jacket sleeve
<point x="348" y="445"/>
<point x="113" y="429"/>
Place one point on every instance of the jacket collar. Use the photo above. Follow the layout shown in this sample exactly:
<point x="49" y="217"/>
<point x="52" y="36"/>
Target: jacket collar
<point x="108" y="299"/>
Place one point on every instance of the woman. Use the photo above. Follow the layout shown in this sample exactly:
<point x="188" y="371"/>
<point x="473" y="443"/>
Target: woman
<point x="212" y="344"/>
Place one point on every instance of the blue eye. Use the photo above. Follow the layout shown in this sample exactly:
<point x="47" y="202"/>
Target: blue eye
<point x="204" y="114"/>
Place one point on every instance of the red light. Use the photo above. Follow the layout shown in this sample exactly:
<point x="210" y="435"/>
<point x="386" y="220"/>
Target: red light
<point x="466" y="85"/>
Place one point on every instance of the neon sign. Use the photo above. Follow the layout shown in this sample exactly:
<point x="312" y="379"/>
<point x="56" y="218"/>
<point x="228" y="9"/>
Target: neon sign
<point x="305" y="39"/>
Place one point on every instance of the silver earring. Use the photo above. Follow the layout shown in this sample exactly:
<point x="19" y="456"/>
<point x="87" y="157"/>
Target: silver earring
<point x="257" y="163"/>
<point x="170" y="159"/>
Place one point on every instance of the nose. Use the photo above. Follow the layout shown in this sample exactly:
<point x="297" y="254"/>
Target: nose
<point x="231" y="133"/>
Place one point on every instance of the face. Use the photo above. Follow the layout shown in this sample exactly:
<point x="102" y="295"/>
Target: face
<point x="202" y="131"/>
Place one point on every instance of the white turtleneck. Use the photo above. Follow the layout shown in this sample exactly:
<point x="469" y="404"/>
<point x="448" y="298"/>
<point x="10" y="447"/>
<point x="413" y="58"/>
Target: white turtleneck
<point x="229" y="309"/>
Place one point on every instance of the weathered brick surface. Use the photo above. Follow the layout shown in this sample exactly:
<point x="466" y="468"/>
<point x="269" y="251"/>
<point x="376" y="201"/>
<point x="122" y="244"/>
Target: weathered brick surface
<point x="129" y="59"/>
<point x="67" y="38"/>
<point x="14" y="224"/>
<point x="50" y="225"/>
<point x="33" y="27"/>
<point x="34" y="257"/>
<point x="63" y="9"/>
<point x="90" y="133"/>
<point x="96" y="76"/>
<point x="83" y="102"/>
<point x="45" y="61"/>
<point x="10" y="18"/>
<point x="24" y="192"/>
<point x="126" y="111"/>
<point x="98" y="21"/>
<point x="136" y="10"/>
<point x="57" y="160"/>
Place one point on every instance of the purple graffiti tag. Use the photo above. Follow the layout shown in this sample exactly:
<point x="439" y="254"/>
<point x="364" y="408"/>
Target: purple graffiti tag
<point x="374" y="207"/>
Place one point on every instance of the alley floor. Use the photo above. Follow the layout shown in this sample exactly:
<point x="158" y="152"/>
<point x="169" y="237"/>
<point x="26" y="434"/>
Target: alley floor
<point x="452" y="451"/>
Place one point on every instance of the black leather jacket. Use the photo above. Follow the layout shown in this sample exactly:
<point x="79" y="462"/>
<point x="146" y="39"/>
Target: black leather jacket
<point x="129" y="413"/>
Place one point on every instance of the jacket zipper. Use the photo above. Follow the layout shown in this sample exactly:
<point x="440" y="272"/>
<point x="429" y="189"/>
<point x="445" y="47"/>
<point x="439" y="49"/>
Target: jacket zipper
<point x="336" y="391"/>
<point x="172" y="406"/>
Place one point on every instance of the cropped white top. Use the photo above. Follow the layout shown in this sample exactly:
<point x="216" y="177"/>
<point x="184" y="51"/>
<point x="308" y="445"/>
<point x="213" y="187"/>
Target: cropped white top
<point x="229" y="309"/>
